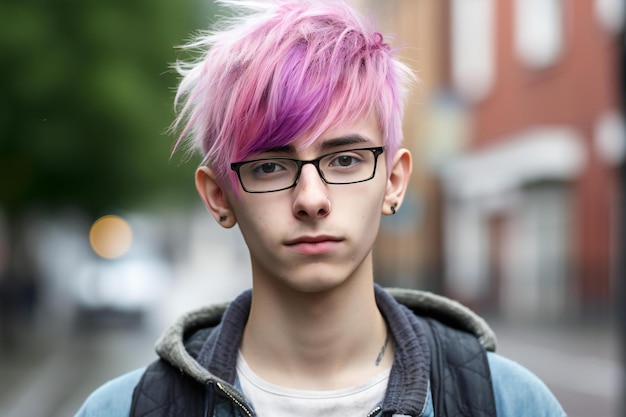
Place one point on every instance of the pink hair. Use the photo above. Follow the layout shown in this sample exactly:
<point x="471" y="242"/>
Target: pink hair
<point x="281" y="69"/>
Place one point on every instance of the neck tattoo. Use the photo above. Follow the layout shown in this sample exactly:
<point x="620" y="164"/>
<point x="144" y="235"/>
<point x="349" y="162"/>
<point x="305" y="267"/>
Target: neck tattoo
<point x="379" y="358"/>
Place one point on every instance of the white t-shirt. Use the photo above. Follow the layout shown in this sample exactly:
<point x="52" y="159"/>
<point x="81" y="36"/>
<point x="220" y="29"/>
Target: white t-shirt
<point x="269" y="400"/>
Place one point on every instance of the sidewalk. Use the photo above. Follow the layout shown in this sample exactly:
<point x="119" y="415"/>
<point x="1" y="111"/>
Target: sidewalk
<point x="32" y="354"/>
<point x="579" y="362"/>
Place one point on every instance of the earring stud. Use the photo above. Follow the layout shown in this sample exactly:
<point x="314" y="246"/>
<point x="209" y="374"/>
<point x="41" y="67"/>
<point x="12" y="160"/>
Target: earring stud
<point x="393" y="208"/>
<point x="223" y="219"/>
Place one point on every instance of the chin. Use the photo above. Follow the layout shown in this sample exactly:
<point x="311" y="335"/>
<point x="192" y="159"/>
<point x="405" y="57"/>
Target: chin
<point x="317" y="277"/>
<point x="317" y="283"/>
<point x="315" y="287"/>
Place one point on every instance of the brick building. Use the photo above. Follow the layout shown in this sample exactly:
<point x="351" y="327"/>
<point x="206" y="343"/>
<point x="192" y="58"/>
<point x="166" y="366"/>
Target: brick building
<point x="517" y="136"/>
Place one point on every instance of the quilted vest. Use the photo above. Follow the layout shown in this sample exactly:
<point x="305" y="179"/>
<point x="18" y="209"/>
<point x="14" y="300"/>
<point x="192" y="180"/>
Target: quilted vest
<point x="460" y="379"/>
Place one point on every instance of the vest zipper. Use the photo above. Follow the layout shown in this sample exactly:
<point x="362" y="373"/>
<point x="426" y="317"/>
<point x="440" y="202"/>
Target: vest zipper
<point x="375" y="411"/>
<point x="235" y="399"/>
<point x="210" y="397"/>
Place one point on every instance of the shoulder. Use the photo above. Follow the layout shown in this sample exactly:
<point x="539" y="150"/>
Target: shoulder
<point x="113" y="399"/>
<point x="519" y="391"/>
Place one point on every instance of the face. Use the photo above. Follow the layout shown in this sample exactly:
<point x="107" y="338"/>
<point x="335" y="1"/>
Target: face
<point x="315" y="236"/>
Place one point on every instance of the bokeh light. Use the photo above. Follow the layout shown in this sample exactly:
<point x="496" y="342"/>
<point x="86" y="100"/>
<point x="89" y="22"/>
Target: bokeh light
<point x="110" y="236"/>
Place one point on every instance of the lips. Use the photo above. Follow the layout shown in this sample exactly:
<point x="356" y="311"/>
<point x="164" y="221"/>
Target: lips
<point x="313" y="239"/>
<point x="314" y="245"/>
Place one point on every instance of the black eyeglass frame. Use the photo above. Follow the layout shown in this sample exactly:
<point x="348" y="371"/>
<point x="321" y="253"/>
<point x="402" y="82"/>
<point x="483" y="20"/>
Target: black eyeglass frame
<point x="376" y="150"/>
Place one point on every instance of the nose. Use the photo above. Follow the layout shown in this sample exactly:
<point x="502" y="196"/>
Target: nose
<point x="310" y="195"/>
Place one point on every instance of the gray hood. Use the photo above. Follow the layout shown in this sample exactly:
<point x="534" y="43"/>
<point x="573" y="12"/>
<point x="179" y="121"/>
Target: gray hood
<point x="448" y="311"/>
<point x="174" y="348"/>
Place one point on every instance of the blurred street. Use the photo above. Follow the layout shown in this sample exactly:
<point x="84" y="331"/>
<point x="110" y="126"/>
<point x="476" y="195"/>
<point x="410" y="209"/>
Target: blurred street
<point x="50" y="375"/>
<point x="57" y="357"/>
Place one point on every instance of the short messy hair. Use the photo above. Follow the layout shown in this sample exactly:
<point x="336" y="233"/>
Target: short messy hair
<point x="279" y="69"/>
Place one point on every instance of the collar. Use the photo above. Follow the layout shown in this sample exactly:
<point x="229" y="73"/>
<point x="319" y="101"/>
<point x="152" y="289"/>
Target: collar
<point x="408" y="380"/>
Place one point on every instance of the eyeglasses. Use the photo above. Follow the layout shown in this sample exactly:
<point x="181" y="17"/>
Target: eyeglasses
<point x="268" y="175"/>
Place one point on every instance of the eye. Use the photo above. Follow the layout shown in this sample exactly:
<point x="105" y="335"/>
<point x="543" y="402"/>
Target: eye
<point x="345" y="160"/>
<point x="268" y="168"/>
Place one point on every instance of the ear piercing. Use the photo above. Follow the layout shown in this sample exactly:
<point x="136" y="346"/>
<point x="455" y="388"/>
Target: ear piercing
<point x="223" y="218"/>
<point x="393" y="208"/>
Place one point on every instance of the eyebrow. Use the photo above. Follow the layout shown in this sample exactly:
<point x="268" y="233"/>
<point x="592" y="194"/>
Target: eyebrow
<point x="350" y="139"/>
<point x="329" y="144"/>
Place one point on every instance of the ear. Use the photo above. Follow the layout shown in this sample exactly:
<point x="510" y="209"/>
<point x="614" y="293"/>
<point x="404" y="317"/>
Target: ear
<point x="214" y="197"/>
<point x="398" y="181"/>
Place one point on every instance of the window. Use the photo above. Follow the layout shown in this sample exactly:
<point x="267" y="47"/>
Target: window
<point x="610" y="13"/>
<point x="473" y="47"/>
<point x="538" y="31"/>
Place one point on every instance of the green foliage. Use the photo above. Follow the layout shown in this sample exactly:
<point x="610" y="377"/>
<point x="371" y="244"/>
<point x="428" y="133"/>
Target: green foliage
<point x="85" y="99"/>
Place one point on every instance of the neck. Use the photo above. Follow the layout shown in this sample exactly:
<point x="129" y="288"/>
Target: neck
<point x="322" y="340"/>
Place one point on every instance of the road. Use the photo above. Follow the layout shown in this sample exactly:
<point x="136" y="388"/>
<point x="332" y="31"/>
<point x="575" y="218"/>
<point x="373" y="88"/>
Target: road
<point x="579" y="363"/>
<point x="51" y="376"/>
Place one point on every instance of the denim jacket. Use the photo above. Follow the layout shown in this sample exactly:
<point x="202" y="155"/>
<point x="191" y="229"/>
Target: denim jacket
<point x="517" y="391"/>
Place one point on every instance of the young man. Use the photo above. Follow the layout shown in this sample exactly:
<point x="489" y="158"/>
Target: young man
<point x="296" y="106"/>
